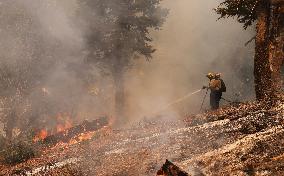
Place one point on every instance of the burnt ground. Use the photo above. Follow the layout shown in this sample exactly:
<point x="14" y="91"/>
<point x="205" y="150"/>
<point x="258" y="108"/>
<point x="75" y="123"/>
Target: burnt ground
<point x="244" y="139"/>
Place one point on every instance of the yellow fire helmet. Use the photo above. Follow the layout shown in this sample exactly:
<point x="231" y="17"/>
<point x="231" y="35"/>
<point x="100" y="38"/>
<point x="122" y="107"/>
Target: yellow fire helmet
<point x="210" y="75"/>
<point x="218" y="75"/>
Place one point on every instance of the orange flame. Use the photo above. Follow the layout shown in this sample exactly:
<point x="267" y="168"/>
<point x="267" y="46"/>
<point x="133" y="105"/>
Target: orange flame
<point x="82" y="137"/>
<point x="62" y="127"/>
<point x="86" y="136"/>
<point x="63" y="123"/>
<point x="41" y="135"/>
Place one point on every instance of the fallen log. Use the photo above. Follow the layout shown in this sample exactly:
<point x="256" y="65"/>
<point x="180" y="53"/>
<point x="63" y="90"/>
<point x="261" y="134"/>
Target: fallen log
<point x="68" y="134"/>
<point x="169" y="169"/>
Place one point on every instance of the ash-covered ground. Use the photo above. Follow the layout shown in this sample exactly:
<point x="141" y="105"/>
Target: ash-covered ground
<point x="244" y="139"/>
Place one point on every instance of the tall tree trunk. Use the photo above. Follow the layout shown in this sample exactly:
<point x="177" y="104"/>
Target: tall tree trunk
<point x="269" y="50"/>
<point x="276" y="50"/>
<point x="262" y="70"/>
<point x="118" y="76"/>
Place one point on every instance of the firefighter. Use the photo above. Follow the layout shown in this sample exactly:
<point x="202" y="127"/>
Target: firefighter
<point x="215" y="86"/>
<point x="223" y="86"/>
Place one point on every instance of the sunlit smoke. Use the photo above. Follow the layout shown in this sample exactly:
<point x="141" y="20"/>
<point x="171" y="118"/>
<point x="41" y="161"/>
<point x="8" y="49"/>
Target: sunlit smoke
<point x="44" y="43"/>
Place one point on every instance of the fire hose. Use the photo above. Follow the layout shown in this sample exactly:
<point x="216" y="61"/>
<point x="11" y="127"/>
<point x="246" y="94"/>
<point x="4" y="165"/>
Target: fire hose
<point x="229" y="101"/>
<point x="203" y="101"/>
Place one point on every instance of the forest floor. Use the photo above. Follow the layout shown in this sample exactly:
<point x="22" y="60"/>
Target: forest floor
<point x="243" y="139"/>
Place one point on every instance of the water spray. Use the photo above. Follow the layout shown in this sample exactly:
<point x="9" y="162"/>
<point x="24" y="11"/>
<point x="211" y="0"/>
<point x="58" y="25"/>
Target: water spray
<point x="176" y="101"/>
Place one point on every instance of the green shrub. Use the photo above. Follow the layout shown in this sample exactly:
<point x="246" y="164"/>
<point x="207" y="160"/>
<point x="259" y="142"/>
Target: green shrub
<point x="17" y="152"/>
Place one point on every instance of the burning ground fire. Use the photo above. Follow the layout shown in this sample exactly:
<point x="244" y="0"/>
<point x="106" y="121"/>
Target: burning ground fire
<point x="70" y="134"/>
<point x="82" y="137"/>
<point x="65" y="138"/>
<point x="63" y="122"/>
<point x="143" y="148"/>
<point x="41" y="135"/>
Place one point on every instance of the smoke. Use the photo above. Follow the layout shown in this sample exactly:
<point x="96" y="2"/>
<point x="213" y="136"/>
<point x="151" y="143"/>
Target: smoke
<point x="191" y="44"/>
<point x="42" y="49"/>
<point x="45" y="36"/>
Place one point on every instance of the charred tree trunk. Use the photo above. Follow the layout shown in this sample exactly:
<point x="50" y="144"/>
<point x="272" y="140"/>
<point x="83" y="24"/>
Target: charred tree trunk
<point x="169" y="169"/>
<point x="269" y="50"/>
<point x="276" y="46"/>
<point x="262" y="70"/>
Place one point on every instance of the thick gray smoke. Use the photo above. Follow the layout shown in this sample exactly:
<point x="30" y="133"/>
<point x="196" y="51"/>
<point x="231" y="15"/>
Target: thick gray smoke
<point x="191" y="44"/>
<point x="41" y="51"/>
<point x="46" y="37"/>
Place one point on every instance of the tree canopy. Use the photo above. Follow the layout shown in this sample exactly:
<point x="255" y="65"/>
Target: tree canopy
<point x="244" y="10"/>
<point x="268" y="40"/>
<point x="118" y="31"/>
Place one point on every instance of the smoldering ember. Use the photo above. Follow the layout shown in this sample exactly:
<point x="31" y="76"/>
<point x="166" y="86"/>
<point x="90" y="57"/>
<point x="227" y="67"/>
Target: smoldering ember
<point x="142" y="87"/>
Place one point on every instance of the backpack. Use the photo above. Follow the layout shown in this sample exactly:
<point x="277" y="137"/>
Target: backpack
<point x="223" y="86"/>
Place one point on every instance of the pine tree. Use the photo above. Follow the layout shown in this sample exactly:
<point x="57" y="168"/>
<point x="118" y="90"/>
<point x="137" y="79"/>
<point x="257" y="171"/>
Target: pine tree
<point x="269" y="56"/>
<point x="117" y="32"/>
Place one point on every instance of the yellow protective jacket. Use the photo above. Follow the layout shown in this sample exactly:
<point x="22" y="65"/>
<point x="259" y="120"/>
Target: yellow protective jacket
<point x="215" y="84"/>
